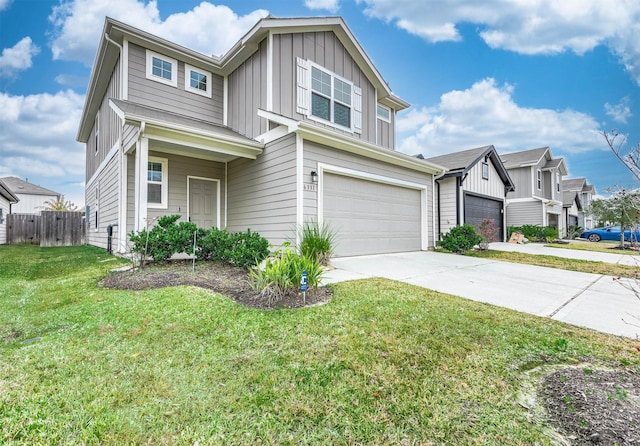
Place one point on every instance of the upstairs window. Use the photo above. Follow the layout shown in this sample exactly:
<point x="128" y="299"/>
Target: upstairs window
<point x="97" y="132"/>
<point x="197" y="81"/>
<point x="162" y="69"/>
<point x="384" y="113"/>
<point x="327" y="97"/>
<point x="539" y="178"/>
<point x="157" y="183"/>
<point x="485" y="171"/>
<point x="558" y="181"/>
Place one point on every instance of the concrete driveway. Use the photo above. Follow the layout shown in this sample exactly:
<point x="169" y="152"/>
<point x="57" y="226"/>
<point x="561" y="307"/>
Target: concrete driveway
<point x="588" y="300"/>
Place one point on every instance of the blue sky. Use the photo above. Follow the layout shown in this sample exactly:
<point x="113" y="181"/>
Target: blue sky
<point x="518" y="75"/>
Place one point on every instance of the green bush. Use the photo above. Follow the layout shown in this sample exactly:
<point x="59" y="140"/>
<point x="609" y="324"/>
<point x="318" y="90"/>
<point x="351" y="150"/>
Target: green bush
<point x="535" y="233"/>
<point x="282" y="273"/>
<point x="460" y="239"/>
<point x="317" y="242"/>
<point x="168" y="237"/>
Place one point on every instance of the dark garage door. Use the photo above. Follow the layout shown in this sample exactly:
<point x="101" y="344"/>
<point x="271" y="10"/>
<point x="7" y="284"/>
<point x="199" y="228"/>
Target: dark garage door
<point x="477" y="208"/>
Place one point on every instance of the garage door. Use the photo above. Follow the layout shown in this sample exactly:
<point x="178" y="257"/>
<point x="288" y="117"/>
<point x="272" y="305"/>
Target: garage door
<point x="478" y="208"/>
<point x="371" y="217"/>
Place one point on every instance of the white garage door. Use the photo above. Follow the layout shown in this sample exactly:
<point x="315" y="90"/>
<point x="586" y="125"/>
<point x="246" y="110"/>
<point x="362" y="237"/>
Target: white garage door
<point x="371" y="217"/>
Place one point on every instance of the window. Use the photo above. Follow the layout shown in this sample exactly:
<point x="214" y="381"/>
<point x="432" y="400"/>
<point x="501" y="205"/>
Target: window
<point x="1" y="216"/>
<point x="539" y="178"/>
<point x="384" y="113"/>
<point x="157" y="183"/>
<point x="162" y="69"/>
<point x="197" y="81"/>
<point x="97" y="205"/>
<point x="96" y="131"/>
<point x="485" y="171"/>
<point x="330" y="98"/>
<point x="558" y="181"/>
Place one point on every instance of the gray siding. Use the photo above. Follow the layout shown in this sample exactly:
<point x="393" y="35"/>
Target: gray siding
<point x="108" y="183"/>
<point x="110" y="127"/>
<point x="326" y="50"/>
<point x="129" y="137"/>
<point x="247" y="91"/>
<point x="316" y="153"/>
<point x="174" y="99"/>
<point x="4" y="205"/>
<point x="524" y="213"/>
<point x="448" y="209"/>
<point x="523" y="181"/>
<point x="493" y="187"/>
<point x="262" y="192"/>
<point x="386" y="133"/>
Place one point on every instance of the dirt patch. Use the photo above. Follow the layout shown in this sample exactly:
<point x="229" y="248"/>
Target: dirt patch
<point x="223" y="279"/>
<point x="593" y="407"/>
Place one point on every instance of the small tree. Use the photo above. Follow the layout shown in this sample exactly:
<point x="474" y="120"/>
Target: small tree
<point x="60" y="204"/>
<point x="488" y="232"/>
<point x="622" y="208"/>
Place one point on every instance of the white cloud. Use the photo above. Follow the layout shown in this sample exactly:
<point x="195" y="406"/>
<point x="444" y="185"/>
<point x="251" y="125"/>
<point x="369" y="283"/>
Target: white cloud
<point x="487" y="114"/>
<point x="207" y="28"/>
<point x="18" y="57"/>
<point x="526" y="27"/>
<point x="330" y="5"/>
<point x="38" y="140"/>
<point x="619" y="112"/>
<point x="4" y="4"/>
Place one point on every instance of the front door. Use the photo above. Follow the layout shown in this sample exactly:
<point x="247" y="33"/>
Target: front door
<point x="203" y="202"/>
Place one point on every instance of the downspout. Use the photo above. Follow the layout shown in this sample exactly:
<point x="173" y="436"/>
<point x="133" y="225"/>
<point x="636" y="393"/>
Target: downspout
<point x="458" y="186"/>
<point x="436" y="180"/>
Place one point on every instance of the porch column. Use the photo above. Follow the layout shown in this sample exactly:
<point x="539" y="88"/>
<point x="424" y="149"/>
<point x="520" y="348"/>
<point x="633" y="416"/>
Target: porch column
<point x="142" y="165"/>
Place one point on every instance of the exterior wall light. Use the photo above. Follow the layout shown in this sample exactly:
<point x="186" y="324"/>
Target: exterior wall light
<point x="314" y="176"/>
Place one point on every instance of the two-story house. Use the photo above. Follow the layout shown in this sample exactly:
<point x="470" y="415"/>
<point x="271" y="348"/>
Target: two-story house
<point x="474" y="189"/>
<point x="585" y="193"/>
<point x="537" y="198"/>
<point x="293" y="123"/>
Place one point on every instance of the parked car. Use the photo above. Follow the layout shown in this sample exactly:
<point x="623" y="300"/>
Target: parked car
<point x="610" y="233"/>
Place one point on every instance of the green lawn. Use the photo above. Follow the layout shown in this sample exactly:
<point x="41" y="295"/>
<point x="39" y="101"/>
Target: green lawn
<point x="602" y="246"/>
<point x="382" y="363"/>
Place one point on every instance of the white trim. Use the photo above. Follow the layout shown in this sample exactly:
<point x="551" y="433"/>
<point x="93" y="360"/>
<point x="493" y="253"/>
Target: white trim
<point x="226" y="195"/>
<point x="214" y="180"/>
<point x="538" y="181"/>
<point x="299" y="187"/>
<point x="332" y="100"/>
<point x="164" y="184"/>
<point x="103" y="164"/>
<point x="423" y="188"/>
<point x="125" y="69"/>
<point x="225" y="100"/>
<point x="122" y="217"/>
<point x="174" y="69"/>
<point x="187" y="80"/>
<point x="96" y="133"/>
<point x="270" y="71"/>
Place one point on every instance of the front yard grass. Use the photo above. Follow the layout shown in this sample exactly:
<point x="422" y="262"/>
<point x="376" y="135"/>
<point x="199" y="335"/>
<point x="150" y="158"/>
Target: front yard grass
<point x="382" y="363"/>
<point x="601" y="246"/>
<point x="585" y="266"/>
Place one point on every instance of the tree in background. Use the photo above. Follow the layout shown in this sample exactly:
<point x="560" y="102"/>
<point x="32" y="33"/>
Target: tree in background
<point x="622" y="208"/>
<point x="60" y="204"/>
<point x="630" y="157"/>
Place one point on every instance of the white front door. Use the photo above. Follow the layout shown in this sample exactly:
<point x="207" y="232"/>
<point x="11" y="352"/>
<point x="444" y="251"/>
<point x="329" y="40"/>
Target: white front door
<point x="204" y="202"/>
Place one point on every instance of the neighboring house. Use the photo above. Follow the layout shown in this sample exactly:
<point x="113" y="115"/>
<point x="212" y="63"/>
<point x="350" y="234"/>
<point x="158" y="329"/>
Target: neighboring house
<point x="293" y="123"/>
<point x="537" y="198"/>
<point x="585" y="193"/>
<point x="32" y="197"/>
<point x="473" y="189"/>
<point x="571" y="209"/>
<point x="7" y="199"/>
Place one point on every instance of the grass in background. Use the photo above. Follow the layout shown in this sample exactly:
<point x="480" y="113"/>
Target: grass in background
<point x="382" y="363"/>
<point x="601" y="246"/>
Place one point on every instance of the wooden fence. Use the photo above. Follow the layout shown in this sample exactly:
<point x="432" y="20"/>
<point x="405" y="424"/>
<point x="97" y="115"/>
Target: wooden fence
<point x="50" y="228"/>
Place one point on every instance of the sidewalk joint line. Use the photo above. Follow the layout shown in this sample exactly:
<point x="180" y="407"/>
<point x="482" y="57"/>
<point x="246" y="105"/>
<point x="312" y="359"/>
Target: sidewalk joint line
<point x="575" y="296"/>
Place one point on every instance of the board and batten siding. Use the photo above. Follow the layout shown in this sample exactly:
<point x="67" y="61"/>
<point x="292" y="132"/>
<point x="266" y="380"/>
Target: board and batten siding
<point x="315" y="153"/>
<point x="447" y="208"/>
<point x="179" y="168"/>
<point x="523" y="180"/>
<point x="386" y="132"/>
<point x="109" y="124"/>
<point x="262" y="192"/>
<point x="154" y="94"/>
<point x="324" y="49"/>
<point x="247" y="92"/>
<point x="524" y="213"/>
<point x="492" y="187"/>
<point x="5" y="206"/>
<point x="31" y="203"/>
<point x="108" y="183"/>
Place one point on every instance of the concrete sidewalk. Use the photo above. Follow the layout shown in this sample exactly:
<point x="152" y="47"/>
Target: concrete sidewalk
<point x="542" y="249"/>
<point x="587" y="300"/>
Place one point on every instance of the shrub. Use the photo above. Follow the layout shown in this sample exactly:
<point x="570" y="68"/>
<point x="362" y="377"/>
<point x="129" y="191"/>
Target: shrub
<point x="488" y="232"/>
<point x="460" y="238"/>
<point x="574" y="231"/>
<point x="165" y="239"/>
<point x="535" y="233"/>
<point x="317" y="241"/>
<point x="282" y="273"/>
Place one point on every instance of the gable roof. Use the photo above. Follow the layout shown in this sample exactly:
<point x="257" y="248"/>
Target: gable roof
<point x="569" y="198"/>
<point x="115" y="32"/>
<point x="531" y="158"/>
<point x="20" y="186"/>
<point x="578" y="184"/>
<point x="460" y="163"/>
<point x="6" y="193"/>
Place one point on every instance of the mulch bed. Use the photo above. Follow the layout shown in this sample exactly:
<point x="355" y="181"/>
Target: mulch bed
<point x="594" y="407"/>
<point x="224" y="279"/>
